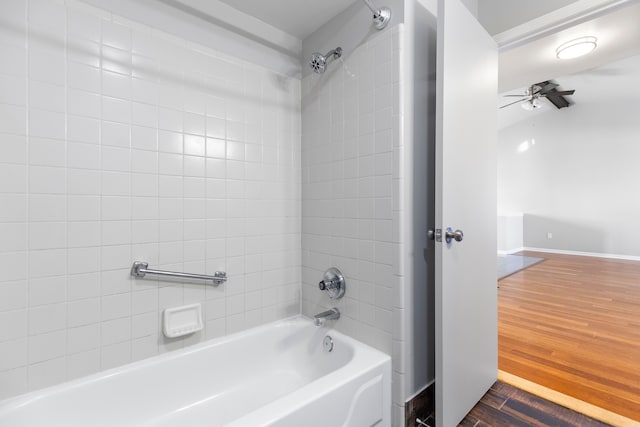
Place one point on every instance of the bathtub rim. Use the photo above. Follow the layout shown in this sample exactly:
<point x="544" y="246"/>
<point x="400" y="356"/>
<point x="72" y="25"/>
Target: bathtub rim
<point x="372" y="355"/>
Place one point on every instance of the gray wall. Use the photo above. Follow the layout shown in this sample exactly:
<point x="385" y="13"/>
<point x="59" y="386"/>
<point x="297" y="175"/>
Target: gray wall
<point x="422" y="160"/>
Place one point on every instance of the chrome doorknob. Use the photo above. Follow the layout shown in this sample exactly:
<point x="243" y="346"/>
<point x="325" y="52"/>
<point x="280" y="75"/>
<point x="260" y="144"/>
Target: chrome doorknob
<point x="457" y="235"/>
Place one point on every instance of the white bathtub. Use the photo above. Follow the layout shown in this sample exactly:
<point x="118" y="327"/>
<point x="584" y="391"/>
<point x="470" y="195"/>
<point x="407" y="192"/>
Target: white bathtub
<point x="274" y="375"/>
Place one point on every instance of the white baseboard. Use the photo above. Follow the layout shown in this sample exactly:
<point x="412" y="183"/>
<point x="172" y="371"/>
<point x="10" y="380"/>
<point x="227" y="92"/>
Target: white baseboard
<point x="577" y="253"/>
<point x="510" y="251"/>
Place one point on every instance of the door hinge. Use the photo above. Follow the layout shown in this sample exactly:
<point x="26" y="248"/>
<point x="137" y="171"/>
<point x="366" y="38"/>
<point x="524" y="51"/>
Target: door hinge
<point x="435" y="234"/>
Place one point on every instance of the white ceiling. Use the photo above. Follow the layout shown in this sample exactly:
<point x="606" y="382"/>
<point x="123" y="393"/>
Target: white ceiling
<point x="527" y="50"/>
<point x="500" y="15"/>
<point x="614" y="82"/>
<point x="300" y="18"/>
<point x="618" y="34"/>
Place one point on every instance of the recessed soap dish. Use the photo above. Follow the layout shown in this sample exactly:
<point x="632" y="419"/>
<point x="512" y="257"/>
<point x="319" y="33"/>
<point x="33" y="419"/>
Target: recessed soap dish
<point x="180" y="321"/>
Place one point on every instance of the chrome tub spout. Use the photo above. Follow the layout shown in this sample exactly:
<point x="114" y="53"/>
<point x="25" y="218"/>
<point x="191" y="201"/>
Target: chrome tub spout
<point x="320" y="318"/>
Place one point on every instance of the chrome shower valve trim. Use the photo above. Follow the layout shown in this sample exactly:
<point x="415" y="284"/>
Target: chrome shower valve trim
<point x="333" y="283"/>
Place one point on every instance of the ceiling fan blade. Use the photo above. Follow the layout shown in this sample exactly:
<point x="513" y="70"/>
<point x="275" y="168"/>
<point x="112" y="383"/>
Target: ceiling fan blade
<point x="521" y="96"/>
<point x="560" y="93"/>
<point x="515" y="102"/>
<point x="558" y="101"/>
<point x="546" y="87"/>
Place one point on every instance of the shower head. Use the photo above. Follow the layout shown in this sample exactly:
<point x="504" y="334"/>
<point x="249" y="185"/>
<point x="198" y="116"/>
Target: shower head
<point x="318" y="61"/>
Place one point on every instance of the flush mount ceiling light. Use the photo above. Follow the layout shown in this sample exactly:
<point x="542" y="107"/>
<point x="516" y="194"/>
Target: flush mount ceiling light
<point x="576" y="47"/>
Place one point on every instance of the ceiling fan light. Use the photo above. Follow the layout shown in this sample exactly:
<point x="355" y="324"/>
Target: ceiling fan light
<point x="532" y="104"/>
<point x="576" y="47"/>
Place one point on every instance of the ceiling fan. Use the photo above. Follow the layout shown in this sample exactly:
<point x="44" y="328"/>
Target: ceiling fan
<point x="547" y="89"/>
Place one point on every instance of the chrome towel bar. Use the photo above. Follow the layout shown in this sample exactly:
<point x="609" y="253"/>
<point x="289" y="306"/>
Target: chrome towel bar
<point x="140" y="269"/>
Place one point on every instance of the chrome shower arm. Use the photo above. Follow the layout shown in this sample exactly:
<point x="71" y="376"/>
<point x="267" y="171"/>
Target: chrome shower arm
<point x="335" y="53"/>
<point x="381" y="16"/>
<point x="373" y="10"/>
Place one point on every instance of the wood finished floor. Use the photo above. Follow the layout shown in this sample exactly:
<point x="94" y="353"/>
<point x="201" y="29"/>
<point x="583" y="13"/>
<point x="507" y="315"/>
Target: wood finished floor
<point x="572" y="324"/>
<point x="504" y="405"/>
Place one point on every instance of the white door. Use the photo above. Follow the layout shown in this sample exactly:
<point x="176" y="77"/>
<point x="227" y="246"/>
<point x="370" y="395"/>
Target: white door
<point x="466" y="288"/>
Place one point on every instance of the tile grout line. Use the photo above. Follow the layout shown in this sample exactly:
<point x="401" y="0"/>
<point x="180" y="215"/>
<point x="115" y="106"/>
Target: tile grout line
<point x="28" y="170"/>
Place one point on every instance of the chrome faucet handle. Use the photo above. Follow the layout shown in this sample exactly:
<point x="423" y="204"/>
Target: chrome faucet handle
<point x="326" y="285"/>
<point x="333" y="283"/>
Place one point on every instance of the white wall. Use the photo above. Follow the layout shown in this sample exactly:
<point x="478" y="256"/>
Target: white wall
<point x="215" y="25"/>
<point x="350" y="187"/>
<point x="510" y="233"/>
<point x="121" y="143"/>
<point x="365" y="197"/>
<point x="580" y="180"/>
<point x="135" y="144"/>
<point x="349" y="29"/>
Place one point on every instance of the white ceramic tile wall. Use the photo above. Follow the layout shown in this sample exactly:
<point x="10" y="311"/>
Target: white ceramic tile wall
<point x="120" y="143"/>
<point x="351" y="149"/>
